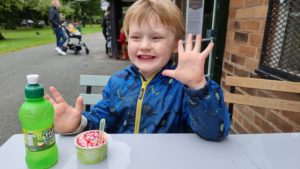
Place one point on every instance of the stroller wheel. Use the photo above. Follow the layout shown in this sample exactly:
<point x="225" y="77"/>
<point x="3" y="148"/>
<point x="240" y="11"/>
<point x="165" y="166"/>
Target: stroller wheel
<point x="76" y="51"/>
<point x="64" y="48"/>
<point x="87" y="51"/>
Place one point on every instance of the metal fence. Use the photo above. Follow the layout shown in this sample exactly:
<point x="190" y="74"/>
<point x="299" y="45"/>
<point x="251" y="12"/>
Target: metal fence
<point x="280" y="56"/>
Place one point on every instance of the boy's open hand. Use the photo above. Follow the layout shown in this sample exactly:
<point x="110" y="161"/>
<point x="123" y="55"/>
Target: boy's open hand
<point x="190" y="68"/>
<point x="66" y="118"/>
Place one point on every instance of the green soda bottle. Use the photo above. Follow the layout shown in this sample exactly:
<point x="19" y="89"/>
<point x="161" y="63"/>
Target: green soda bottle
<point x="36" y="115"/>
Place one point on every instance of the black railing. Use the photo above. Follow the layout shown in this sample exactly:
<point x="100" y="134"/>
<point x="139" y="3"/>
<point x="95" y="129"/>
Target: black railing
<point x="280" y="56"/>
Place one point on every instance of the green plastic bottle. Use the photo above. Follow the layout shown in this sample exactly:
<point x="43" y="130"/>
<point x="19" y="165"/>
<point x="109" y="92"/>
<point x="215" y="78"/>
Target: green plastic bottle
<point x="37" y="116"/>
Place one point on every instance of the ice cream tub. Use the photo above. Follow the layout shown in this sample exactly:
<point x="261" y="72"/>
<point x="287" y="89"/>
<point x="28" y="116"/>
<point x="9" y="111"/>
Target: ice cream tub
<point x="91" y="146"/>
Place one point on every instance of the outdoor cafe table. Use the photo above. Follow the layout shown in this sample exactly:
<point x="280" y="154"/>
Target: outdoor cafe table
<point x="173" y="151"/>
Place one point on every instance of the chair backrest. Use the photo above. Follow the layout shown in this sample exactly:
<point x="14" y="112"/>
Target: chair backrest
<point x="258" y="101"/>
<point x="90" y="81"/>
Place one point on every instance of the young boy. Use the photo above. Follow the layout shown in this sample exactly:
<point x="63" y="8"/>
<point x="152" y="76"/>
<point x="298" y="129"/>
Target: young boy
<point x="153" y="95"/>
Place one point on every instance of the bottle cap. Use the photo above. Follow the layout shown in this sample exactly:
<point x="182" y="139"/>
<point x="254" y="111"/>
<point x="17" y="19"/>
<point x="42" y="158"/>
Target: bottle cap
<point x="32" y="79"/>
<point x="33" y="89"/>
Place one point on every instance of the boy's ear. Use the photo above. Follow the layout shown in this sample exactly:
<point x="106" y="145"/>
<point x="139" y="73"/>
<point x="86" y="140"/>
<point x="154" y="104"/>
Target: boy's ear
<point x="175" y="49"/>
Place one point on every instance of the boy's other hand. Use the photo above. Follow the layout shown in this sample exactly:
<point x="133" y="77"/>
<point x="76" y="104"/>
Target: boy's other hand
<point x="190" y="68"/>
<point x="66" y="118"/>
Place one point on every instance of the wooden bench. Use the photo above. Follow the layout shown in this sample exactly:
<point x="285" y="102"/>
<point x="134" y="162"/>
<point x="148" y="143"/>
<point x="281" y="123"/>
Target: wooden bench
<point x="89" y="81"/>
<point x="258" y="101"/>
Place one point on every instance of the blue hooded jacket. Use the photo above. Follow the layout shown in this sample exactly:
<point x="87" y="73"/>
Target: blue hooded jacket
<point x="160" y="105"/>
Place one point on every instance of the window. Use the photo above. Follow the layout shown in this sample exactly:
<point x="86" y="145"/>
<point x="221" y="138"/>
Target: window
<point x="280" y="58"/>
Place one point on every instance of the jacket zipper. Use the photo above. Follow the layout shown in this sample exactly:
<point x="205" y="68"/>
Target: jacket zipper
<point x="140" y="103"/>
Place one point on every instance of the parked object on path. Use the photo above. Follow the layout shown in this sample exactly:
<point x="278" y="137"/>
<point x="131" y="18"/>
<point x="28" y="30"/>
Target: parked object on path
<point x="26" y="23"/>
<point x="74" y="39"/>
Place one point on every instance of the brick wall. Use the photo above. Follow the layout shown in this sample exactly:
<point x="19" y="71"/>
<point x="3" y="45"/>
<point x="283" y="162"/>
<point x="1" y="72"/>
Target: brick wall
<point x="245" y="31"/>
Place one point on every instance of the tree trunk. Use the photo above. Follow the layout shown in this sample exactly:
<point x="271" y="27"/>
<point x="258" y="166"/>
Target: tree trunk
<point x="1" y="36"/>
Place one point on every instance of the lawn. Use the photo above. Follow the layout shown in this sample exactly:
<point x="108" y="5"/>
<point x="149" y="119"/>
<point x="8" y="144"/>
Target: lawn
<point x="30" y="37"/>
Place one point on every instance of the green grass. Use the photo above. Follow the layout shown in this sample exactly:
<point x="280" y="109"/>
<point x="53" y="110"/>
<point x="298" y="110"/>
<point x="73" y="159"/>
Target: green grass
<point x="30" y="37"/>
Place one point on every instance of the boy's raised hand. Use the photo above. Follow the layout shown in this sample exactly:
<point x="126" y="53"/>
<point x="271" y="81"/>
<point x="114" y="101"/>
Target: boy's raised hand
<point x="66" y="118"/>
<point x="190" y="68"/>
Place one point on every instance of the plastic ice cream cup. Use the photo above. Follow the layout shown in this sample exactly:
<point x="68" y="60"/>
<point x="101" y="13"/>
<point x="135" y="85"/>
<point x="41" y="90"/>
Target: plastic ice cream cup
<point x="91" y="146"/>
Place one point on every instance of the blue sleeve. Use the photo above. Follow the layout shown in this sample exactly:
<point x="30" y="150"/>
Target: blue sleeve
<point x="101" y="110"/>
<point x="206" y="111"/>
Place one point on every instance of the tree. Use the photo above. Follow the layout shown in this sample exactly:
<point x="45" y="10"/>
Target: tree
<point x="9" y="13"/>
<point x="1" y="36"/>
<point x="7" y="16"/>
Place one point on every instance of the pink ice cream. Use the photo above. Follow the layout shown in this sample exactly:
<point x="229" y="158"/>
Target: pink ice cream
<point x="91" y="139"/>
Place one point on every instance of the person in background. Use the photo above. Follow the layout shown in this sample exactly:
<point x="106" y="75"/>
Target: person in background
<point x="153" y="95"/>
<point x="106" y="30"/>
<point x="72" y="29"/>
<point x="122" y="40"/>
<point x="55" y="20"/>
<point x="77" y="25"/>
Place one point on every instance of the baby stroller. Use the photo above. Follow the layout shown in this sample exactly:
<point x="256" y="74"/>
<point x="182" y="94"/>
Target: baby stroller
<point x="74" y="39"/>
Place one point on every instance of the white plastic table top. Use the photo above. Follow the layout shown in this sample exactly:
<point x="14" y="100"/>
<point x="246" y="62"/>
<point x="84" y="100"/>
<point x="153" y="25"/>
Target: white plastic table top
<point x="174" y="151"/>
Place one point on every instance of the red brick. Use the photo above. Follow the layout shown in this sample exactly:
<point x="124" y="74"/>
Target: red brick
<point x="279" y="122"/>
<point x="238" y="59"/>
<point x="236" y="3"/>
<point x="228" y="67"/>
<point x="237" y="115"/>
<point x="241" y="73"/>
<point x="293" y="116"/>
<point x="236" y="25"/>
<point x="246" y="113"/>
<point x="254" y="2"/>
<point x="297" y="129"/>
<point x="263" y="93"/>
<point x="285" y="96"/>
<point x="247" y="51"/>
<point x="231" y="47"/>
<point x="259" y="110"/>
<point x="245" y="13"/>
<point x="256" y="40"/>
<point x="229" y="35"/>
<point x="249" y="126"/>
<point x="263" y="125"/>
<point x="250" y="25"/>
<point x="226" y="56"/>
<point x="232" y="130"/>
<point x="249" y="91"/>
<point x="262" y="25"/>
<point x="239" y="129"/>
<point x="232" y="13"/>
<point x="241" y="37"/>
<point x="266" y="2"/>
<point x="251" y="64"/>
<point x="261" y="11"/>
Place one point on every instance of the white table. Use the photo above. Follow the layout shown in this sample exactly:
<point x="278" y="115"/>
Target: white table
<point x="173" y="151"/>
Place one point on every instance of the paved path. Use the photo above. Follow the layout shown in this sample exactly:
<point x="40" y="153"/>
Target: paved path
<point x="55" y="70"/>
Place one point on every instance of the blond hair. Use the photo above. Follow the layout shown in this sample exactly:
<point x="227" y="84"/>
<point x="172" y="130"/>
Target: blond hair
<point x="163" y="10"/>
<point x="55" y="3"/>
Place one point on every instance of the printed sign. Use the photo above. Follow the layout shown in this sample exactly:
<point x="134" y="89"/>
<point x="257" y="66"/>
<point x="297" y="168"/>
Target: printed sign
<point x="194" y="16"/>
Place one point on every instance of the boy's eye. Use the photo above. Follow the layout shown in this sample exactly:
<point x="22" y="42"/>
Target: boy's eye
<point x="157" y="37"/>
<point x="134" y="37"/>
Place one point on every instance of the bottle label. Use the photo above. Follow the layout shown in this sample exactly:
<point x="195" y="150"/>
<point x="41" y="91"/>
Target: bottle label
<point x="37" y="140"/>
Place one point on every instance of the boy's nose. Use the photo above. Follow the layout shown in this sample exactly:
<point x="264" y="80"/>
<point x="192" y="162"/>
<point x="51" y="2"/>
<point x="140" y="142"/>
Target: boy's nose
<point x="145" y="44"/>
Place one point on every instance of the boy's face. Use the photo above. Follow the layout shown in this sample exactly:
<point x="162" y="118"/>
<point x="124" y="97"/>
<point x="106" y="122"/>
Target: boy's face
<point x="150" y="45"/>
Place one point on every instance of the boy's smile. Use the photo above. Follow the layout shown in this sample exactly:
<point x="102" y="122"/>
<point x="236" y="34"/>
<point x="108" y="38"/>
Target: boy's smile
<point x="150" y="45"/>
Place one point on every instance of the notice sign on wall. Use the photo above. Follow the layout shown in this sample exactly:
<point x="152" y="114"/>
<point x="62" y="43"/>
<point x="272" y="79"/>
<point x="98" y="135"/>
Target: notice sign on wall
<point x="194" y="16"/>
